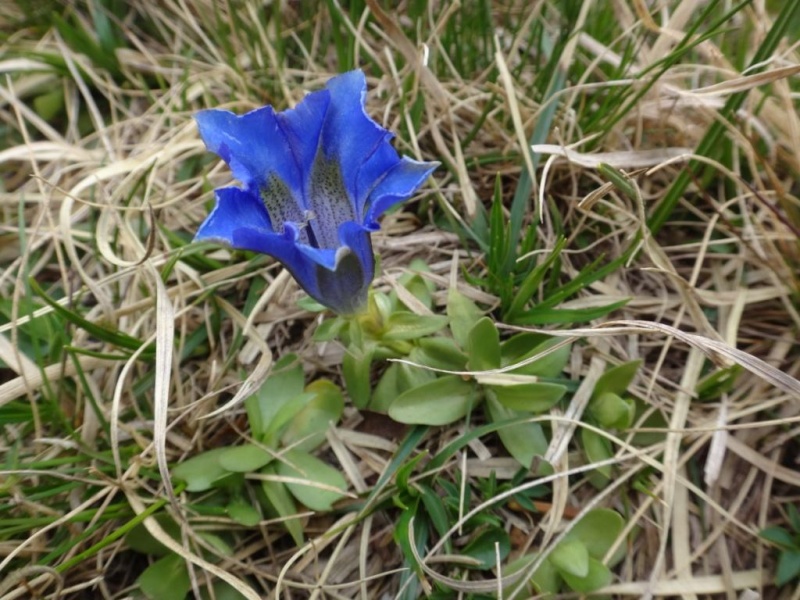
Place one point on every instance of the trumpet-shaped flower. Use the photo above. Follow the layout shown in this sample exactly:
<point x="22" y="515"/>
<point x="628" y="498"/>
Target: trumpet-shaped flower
<point x="315" y="179"/>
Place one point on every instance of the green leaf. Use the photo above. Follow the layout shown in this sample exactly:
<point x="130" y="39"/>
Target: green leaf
<point x="212" y="540"/>
<point x="463" y="314"/>
<point x="421" y="288"/>
<point x="435" y="509"/>
<point x="717" y="383"/>
<point x="284" y="417"/>
<point x="329" y="329"/>
<point x="788" y="567"/>
<point x="613" y="412"/>
<point x="110" y="336"/>
<point x="81" y="41"/>
<point x="222" y="590"/>
<point x="281" y="503"/>
<point x="246" y="458"/>
<point x="409" y="445"/>
<point x="597" y="531"/>
<point x="778" y="536"/>
<point x="49" y="104"/>
<point x="794" y="519"/>
<point x="524" y="440"/>
<point x="597" y="448"/>
<point x="203" y="471"/>
<point x="550" y="365"/>
<point x="570" y="557"/>
<point x="439" y="402"/>
<point x="401" y="533"/>
<point x="304" y="466"/>
<point x="284" y="383"/>
<point x="409" y="376"/>
<point x="311" y="423"/>
<point x="520" y="344"/>
<point x="532" y="281"/>
<point x="483" y="547"/>
<point x="620" y="180"/>
<point x="357" y="372"/>
<point x="441" y="353"/>
<point x="528" y="397"/>
<point x="410" y="326"/>
<point x="386" y="390"/>
<point x="598" y="576"/>
<point x="544" y="315"/>
<point x="617" y="379"/>
<point x="243" y="513"/>
<point x="141" y="540"/>
<point x="405" y="472"/>
<point x="498" y="236"/>
<point x="165" y="579"/>
<point x="483" y="346"/>
<point x="546" y="579"/>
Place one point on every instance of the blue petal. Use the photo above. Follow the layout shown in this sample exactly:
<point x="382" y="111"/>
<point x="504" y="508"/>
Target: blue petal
<point x="396" y="185"/>
<point x="252" y="144"/>
<point x="338" y="279"/>
<point x="350" y="137"/>
<point x="345" y="288"/>
<point x="302" y="127"/>
<point x="235" y="209"/>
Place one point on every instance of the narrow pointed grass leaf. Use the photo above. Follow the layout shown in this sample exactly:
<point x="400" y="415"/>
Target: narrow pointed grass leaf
<point x="533" y="280"/>
<point x="110" y="336"/>
<point x="565" y="316"/>
<point x="709" y="145"/>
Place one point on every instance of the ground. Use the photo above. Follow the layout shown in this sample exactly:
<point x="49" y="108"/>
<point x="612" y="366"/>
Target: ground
<point x="577" y="371"/>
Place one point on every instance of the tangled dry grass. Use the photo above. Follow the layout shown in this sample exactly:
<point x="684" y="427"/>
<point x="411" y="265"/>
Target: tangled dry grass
<point x="104" y="181"/>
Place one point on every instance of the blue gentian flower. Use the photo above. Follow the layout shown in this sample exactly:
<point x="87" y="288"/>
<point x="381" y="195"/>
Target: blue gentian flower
<point x="315" y="179"/>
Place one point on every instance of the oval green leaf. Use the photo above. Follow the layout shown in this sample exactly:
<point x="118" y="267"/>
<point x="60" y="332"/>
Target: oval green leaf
<point x="612" y="411"/>
<point x="570" y="557"/>
<point x="308" y="427"/>
<point x="484" y="547"/>
<point x="528" y="397"/>
<point x="483" y="346"/>
<point x="165" y="579"/>
<point x="617" y="379"/>
<point x="524" y="440"/>
<point x="598" y="530"/>
<point x="325" y="485"/>
<point x="245" y="459"/>
<point x="201" y="472"/>
<point x="598" y="576"/>
<point x="439" y="402"/>
<point x="410" y="326"/>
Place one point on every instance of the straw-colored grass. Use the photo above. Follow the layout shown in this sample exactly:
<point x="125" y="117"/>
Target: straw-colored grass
<point x="103" y="181"/>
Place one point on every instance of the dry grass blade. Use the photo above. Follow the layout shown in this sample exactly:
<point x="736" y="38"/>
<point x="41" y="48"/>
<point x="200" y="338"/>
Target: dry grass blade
<point x="152" y="351"/>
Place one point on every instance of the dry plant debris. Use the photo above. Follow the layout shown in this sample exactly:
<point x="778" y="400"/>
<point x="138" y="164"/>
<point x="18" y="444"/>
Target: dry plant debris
<point x="655" y="146"/>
